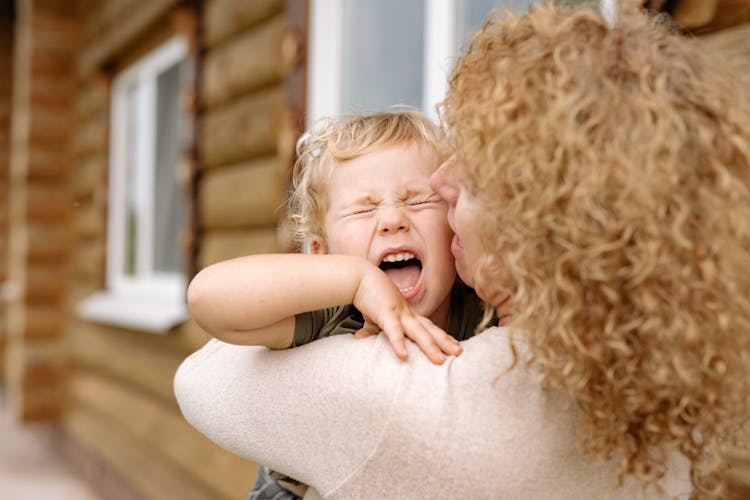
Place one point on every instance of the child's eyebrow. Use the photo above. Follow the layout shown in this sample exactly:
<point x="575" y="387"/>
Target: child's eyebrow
<point x="366" y="199"/>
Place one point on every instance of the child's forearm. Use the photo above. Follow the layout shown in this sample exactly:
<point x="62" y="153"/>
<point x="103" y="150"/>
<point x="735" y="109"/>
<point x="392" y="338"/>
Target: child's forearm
<point x="253" y="300"/>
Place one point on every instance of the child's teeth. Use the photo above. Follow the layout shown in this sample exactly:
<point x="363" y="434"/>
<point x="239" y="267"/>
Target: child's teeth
<point x="397" y="257"/>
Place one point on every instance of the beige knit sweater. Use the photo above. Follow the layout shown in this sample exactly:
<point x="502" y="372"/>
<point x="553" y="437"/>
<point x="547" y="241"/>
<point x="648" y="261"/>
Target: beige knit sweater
<point x="348" y="418"/>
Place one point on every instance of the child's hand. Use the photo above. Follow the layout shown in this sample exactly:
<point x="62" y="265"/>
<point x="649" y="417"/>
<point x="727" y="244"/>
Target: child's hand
<point x="384" y="308"/>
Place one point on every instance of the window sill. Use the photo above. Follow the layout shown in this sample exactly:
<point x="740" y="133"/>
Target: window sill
<point x="127" y="312"/>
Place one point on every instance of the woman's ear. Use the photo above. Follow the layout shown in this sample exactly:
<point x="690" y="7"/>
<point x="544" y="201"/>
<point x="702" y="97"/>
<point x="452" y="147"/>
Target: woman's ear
<point x="316" y="246"/>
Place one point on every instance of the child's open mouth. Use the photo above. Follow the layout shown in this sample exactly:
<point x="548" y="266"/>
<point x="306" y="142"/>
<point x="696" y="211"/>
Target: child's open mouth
<point x="405" y="270"/>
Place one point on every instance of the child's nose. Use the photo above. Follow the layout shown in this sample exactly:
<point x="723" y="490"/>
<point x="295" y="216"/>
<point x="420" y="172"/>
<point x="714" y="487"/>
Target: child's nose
<point x="392" y="219"/>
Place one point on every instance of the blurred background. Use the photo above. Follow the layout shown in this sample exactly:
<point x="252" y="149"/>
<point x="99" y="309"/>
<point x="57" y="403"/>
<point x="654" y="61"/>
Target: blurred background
<point x="141" y="140"/>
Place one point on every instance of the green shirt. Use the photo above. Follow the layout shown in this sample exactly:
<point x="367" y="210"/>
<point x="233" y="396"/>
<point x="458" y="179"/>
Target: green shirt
<point x="466" y="311"/>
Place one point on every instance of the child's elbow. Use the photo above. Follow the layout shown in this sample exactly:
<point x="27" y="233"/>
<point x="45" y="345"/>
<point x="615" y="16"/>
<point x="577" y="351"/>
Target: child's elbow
<point x="197" y="297"/>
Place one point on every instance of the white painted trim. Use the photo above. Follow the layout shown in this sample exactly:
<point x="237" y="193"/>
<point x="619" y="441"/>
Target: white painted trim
<point x="609" y="11"/>
<point x="128" y="312"/>
<point x="439" y="51"/>
<point x="325" y="56"/>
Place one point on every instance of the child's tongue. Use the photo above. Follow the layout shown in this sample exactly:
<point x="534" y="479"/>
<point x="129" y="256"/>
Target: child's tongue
<point x="405" y="278"/>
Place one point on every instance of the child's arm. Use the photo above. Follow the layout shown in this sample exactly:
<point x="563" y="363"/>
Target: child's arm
<point x="253" y="300"/>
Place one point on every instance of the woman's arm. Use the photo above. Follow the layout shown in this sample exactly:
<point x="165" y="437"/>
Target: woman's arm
<point x="314" y="412"/>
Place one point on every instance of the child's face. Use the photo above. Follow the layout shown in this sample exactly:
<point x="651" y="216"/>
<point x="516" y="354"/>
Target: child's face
<point x="381" y="207"/>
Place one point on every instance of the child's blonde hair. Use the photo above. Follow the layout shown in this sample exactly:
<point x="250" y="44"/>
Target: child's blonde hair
<point x="330" y="142"/>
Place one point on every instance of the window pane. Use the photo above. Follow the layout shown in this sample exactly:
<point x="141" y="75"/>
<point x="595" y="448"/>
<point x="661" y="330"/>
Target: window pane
<point x="471" y="14"/>
<point x="168" y="197"/>
<point x="131" y="183"/>
<point x="383" y="54"/>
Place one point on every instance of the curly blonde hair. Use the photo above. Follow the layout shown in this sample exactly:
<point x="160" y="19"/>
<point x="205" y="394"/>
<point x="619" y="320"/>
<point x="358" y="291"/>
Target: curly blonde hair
<point x="614" y="166"/>
<point x="330" y="142"/>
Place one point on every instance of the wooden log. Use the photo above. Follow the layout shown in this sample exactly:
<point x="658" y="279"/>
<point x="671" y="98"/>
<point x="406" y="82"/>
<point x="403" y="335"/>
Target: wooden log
<point x="49" y="129"/>
<point x="244" y="63"/>
<point x="224" y="18"/>
<point x="82" y="286"/>
<point x="162" y="426"/>
<point x="116" y="34"/>
<point x="91" y="98"/>
<point x="53" y="31"/>
<point x="50" y="62"/>
<point x="90" y="136"/>
<point x="141" y="464"/>
<point x="88" y="260"/>
<point x="47" y="202"/>
<point x="43" y="322"/>
<point x="241" y="130"/>
<point x="88" y="173"/>
<point x="46" y="281"/>
<point x="38" y="239"/>
<point x="246" y="194"/>
<point x="45" y="165"/>
<point x="132" y="357"/>
<point x="89" y="220"/>
<point x="217" y="246"/>
<point x="50" y="93"/>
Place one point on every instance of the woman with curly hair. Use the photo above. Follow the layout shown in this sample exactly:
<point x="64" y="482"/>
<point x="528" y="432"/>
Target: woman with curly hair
<point x="600" y="196"/>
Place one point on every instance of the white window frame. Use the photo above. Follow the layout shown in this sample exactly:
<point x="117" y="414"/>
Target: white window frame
<point x="148" y="300"/>
<point x="325" y="54"/>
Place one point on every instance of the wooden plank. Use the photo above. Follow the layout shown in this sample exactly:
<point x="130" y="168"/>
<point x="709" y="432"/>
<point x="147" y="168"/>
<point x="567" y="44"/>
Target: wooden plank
<point x="162" y="426"/>
<point x="45" y="165"/>
<point x="45" y="281"/>
<point x="244" y="63"/>
<point x="47" y="202"/>
<point x="88" y="259"/>
<point x="117" y="35"/>
<point x="217" y="246"/>
<point x="246" y="194"/>
<point x="90" y="136"/>
<point x="224" y="18"/>
<point x="89" y="220"/>
<point x="242" y="129"/>
<point x="38" y="238"/>
<point x="142" y="465"/>
<point x="89" y="174"/>
<point x="133" y="357"/>
<point x="42" y="322"/>
<point x="91" y="97"/>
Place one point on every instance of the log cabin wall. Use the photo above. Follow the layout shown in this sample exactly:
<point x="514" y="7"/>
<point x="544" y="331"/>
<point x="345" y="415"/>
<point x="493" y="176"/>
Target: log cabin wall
<point x="121" y="427"/>
<point x="39" y="208"/>
<point x="6" y="52"/>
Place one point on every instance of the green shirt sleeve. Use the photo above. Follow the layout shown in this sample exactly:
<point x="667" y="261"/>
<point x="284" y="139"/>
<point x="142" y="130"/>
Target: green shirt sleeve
<point x="315" y="325"/>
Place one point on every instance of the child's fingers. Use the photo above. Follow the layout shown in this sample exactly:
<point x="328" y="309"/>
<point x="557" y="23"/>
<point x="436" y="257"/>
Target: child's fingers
<point x="395" y="336"/>
<point x="445" y="342"/>
<point x="422" y="336"/>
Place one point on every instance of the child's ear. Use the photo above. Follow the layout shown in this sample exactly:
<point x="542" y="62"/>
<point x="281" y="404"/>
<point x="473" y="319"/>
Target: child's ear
<point x="316" y="246"/>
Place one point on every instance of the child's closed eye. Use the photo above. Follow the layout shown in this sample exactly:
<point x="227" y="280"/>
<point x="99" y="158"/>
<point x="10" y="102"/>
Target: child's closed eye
<point x="431" y="200"/>
<point x="361" y="210"/>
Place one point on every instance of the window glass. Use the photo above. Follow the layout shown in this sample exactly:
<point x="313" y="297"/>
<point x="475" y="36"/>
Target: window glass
<point x="382" y="54"/>
<point x="471" y="14"/>
<point x="131" y="182"/>
<point x="168" y="197"/>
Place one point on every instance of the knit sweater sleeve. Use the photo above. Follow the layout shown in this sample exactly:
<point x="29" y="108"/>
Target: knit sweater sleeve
<point x="314" y="412"/>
